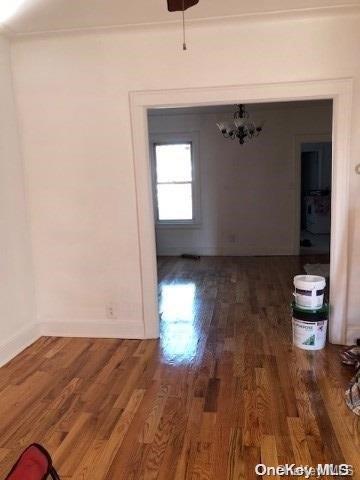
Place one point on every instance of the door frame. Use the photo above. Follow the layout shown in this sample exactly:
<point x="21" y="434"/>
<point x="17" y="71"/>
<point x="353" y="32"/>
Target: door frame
<point x="339" y="90"/>
<point x="298" y="141"/>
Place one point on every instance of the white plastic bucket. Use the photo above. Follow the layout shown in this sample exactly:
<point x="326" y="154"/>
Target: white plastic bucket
<point x="309" y="291"/>
<point x="309" y="328"/>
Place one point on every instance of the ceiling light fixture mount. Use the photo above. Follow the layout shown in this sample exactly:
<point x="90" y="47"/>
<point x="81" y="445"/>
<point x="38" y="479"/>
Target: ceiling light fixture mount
<point x="241" y="128"/>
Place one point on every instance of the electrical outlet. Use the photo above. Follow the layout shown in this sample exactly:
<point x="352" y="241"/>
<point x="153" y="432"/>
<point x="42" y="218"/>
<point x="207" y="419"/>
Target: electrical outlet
<point x="110" y="311"/>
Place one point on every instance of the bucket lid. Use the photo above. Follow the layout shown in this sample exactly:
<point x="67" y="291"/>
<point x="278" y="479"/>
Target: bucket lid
<point x="310" y="315"/>
<point x="309" y="282"/>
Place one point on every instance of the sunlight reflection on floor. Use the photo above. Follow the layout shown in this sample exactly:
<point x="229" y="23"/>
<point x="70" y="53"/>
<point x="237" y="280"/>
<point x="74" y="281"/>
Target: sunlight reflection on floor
<point x="179" y="336"/>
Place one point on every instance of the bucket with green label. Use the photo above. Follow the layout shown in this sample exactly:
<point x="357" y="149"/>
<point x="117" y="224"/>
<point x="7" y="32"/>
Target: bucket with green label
<point x="310" y="327"/>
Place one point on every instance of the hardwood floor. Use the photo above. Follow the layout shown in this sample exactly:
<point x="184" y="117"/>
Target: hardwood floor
<point x="220" y="392"/>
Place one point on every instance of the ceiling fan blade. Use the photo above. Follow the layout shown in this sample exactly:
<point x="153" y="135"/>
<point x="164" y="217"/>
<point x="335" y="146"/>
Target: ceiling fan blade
<point x="180" y="5"/>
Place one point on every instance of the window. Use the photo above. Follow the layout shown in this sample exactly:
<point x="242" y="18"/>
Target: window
<point x="174" y="182"/>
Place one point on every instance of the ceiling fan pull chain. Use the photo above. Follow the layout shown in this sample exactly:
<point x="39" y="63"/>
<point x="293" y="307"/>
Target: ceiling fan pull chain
<point x="184" y="32"/>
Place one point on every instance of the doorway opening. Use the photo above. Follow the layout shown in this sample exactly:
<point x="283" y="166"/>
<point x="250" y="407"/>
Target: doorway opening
<point x="315" y="201"/>
<point x="340" y="91"/>
<point x="225" y="210"/>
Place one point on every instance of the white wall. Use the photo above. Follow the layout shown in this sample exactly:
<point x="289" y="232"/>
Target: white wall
<point x="17" y="314"/>
<point x="249" y="192"/>
<point x="73" y="97"/>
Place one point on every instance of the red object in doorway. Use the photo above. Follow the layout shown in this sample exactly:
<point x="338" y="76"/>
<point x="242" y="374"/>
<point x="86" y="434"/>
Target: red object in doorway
<point x="180" y="5"/>
<point x="34" y="464"/>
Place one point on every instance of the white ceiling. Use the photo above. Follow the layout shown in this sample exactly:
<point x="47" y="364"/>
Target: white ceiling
<point x="33" y="16"/>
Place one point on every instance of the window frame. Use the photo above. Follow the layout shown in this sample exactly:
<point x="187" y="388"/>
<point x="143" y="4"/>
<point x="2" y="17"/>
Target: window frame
<point x="176" y="139"/>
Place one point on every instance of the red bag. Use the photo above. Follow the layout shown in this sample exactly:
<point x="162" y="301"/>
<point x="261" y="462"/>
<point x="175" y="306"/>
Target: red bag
<point x="34" y="464"/>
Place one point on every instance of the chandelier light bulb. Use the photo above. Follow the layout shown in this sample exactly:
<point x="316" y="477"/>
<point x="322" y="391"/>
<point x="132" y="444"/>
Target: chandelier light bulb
<point x="222" y="127"/>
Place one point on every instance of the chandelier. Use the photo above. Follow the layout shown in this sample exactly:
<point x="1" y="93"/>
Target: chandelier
<point x="242" y="127"/>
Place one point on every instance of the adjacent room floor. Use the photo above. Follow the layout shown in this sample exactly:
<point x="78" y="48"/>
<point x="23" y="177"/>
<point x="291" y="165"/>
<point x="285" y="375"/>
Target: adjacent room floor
<point x="319" y="244"/>
<point x="220" y="392"/>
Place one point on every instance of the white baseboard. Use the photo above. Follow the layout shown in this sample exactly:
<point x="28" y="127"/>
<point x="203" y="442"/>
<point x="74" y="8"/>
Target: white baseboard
<point x="92" y="328"/>
<point x="352" y="334"/>
<point x="18" y="342"/>
<point x="225" y="251"/>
